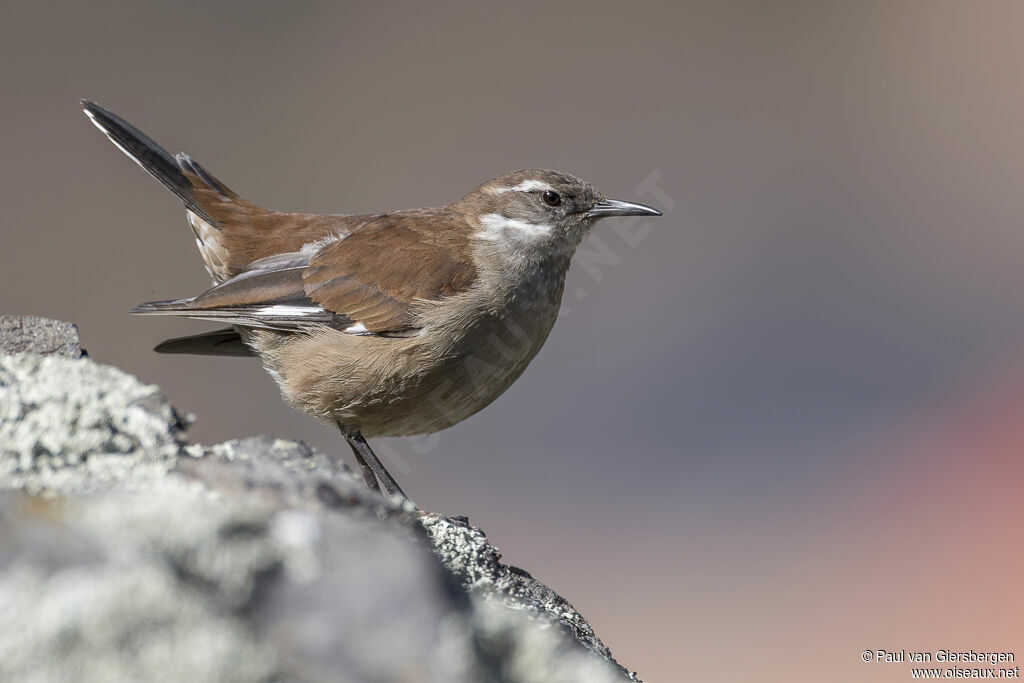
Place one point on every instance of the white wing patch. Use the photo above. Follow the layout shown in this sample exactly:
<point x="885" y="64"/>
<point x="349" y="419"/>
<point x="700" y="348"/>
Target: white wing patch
<point x="310" y="248"/>
<point x="285" y="311"/>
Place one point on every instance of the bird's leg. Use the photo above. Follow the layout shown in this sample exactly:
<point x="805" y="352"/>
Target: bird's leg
<point x="371" y="466"/>
<point x="368" y="476"/>
<point x="367" y="456"/>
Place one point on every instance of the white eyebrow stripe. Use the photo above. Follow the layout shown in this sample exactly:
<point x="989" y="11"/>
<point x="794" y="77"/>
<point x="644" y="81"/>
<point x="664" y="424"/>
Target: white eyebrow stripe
<point x="496" y="225"/>
<point x="526" y="186"/>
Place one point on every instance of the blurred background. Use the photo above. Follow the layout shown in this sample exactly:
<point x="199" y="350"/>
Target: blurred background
<point x="779" y="426"/>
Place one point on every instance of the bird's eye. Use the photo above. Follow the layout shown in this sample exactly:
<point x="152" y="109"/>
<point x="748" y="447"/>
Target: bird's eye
<point x="551" y="198"/>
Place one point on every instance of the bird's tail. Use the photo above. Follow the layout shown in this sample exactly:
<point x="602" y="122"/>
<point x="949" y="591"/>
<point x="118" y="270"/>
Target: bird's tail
<point x="231" y="233"/>
<point x="214" y="210"/>
<point x="180" y="174"/>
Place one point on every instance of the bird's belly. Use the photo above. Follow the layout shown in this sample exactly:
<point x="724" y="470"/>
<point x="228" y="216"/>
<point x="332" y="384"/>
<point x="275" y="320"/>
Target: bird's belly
<point x="406" y="386"/>
<point x="465" y="379"/>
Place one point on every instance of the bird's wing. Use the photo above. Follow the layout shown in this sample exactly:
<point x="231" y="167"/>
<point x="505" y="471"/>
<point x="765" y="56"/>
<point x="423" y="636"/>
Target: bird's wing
<point x="270" y="298"/>
<point x="365" y="283"/>
<point x="375" y="275"/>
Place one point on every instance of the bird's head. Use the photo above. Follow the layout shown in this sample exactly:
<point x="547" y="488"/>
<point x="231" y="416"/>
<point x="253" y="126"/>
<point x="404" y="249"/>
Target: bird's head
<point x="540" y="212"/>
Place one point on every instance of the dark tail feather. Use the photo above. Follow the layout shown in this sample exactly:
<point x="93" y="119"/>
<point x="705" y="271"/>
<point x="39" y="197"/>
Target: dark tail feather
<point x="154" y="158"/>
<point x="226" y="342"/>
<point x="187" y="163"/>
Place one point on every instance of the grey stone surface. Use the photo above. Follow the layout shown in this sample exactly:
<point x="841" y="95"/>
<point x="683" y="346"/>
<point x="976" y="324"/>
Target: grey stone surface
<point x="128" y="554"/>
<point x="31" y="334"/>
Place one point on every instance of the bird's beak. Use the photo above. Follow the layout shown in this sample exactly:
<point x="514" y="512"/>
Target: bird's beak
<point x="614" y="207"/>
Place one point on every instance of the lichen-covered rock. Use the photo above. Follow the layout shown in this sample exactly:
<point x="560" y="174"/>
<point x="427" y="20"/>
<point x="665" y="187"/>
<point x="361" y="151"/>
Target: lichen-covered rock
<point x="465" y="551"/>
<point x="73" y="426"/>
<point x="128" y="554"/>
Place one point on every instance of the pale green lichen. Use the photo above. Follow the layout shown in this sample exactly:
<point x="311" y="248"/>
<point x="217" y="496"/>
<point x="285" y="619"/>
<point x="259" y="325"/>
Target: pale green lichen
<point x="60" y="416"/>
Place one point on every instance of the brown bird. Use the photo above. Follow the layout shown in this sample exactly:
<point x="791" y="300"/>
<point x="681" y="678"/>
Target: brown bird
<point x="389" y="324"/>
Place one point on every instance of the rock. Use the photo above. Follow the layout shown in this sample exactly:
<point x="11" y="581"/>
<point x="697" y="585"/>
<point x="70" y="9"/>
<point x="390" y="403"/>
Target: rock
<point x="465" y="551"/>
<point x="74" y="426"/>
<point x="29" y="334"/>
<point x="127" y="553"/>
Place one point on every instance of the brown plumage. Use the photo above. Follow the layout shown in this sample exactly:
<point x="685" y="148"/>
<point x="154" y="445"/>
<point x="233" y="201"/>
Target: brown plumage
<point x="360" y="277"/>
<point x="389" y="324"/>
